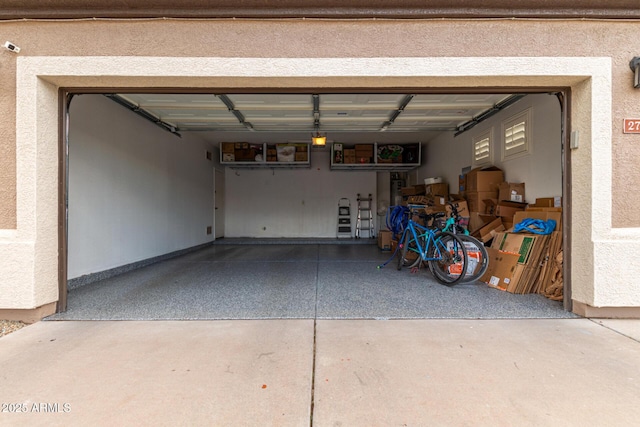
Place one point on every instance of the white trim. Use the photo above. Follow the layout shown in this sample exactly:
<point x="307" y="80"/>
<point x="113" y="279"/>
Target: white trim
<point x="590" y="79"/>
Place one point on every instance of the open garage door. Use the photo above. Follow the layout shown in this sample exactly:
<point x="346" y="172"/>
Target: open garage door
<point x="143" y="168"/>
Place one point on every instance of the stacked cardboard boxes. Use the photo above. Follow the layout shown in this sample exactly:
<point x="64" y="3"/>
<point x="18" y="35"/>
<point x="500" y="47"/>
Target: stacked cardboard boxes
<point x="482" y="186"/>
<point x="524" y="263"/>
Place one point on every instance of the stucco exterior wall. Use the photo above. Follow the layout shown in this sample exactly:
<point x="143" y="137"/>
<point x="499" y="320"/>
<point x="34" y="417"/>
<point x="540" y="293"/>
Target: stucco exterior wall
<point x="591" y="57"/>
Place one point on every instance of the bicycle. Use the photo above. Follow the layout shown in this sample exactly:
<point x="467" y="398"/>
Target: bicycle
<point x="476" y="251"/>
<point x="443" y="252"/>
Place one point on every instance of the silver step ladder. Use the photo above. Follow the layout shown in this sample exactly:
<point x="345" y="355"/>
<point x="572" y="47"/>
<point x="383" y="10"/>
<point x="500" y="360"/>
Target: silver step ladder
<point x="344" y="218"/>
<point x="364" y="223"/>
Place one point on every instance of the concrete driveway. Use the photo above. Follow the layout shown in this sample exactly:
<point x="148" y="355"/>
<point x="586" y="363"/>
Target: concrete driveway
<point x="570" y="372"/>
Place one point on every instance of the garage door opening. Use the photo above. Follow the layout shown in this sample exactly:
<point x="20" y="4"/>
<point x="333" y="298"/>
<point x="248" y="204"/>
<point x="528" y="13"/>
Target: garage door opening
<point x="156" y="176"/>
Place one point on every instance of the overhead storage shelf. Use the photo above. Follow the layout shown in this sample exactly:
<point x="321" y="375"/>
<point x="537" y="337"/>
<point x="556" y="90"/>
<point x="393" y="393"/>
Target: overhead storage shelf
<point x="264" y="156"/>
<point x="376" y="156"/>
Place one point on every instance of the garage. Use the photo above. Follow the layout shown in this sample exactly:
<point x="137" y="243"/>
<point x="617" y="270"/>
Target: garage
<point x="181" y="205"/>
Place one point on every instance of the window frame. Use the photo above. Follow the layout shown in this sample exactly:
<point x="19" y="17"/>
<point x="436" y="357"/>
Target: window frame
<point x="486" y="134"/>
<point x="524" y="116"/>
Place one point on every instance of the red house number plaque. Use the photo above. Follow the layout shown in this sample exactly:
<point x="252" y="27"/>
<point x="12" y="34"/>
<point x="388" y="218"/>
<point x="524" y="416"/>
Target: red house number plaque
<point x="631" y="126"/>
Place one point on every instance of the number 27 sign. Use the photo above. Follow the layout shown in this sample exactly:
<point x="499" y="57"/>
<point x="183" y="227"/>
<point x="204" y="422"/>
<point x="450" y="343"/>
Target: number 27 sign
<point x="631" y="126"/>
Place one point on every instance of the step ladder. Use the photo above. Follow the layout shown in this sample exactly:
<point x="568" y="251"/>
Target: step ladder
<point x="344" y="218"/>
<point x="364" y="223"/>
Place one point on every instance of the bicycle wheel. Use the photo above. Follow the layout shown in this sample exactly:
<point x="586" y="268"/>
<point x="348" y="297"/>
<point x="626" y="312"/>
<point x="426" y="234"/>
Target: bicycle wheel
<point x="408" y="253"/>
<point x="478" y="258"/>
<point x="447" y="258"/>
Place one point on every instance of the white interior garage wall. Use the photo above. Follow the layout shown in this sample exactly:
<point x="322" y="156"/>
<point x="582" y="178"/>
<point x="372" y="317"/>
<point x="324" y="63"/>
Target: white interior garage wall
<point x="541" y="170"/>
<point x="293" y="203"/>
<point x="135" y="190"/>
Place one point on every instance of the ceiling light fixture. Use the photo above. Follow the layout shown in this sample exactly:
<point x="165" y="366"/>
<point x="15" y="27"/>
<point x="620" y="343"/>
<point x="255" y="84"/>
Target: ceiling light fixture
<point x="317" y="139"/>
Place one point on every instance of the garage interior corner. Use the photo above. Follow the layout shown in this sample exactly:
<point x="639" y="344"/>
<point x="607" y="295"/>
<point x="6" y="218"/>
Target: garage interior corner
<point x="249" y="279"/>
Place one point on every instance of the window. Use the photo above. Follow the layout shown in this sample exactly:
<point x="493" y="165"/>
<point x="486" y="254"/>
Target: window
<point x="482" y="154"/>
<point x="517" y="135"/>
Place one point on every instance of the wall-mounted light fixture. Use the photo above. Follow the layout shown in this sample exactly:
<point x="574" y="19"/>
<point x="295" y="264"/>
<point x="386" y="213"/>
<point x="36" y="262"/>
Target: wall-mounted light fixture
<point x="634" y="64"/>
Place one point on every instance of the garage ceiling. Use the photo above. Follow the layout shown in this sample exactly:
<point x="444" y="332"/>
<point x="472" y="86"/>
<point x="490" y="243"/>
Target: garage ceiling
<point x="353" y="112"/>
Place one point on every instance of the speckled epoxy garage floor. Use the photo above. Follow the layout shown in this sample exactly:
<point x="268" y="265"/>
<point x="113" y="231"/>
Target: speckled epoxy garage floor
<point x="286" y="280"/>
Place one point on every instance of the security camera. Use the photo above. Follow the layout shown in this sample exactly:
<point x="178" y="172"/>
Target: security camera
<point x="12" y="47"/>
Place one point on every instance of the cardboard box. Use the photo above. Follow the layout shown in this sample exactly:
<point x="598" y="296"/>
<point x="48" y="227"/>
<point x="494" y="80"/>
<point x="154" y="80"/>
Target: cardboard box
<point x="489" y="230"/>
<point x="414" y="190"/>
<point x="548" y="202"/>
<point x="441" y="189"/>
<point x="510" y="191"/>
<point x="508" y="209"/>
<point x="501" y="270"/>
<point x="522" y="244"/>
<point x="463" y="209"/>
<point x="228" y="147"/>
<point x="365" y="148"/>
<point x="245" y="155"/>
<point x="301" y="156"/>
<point x="477" y="200"/>
<point x="487" y="179"/>
<point x="228" y="157"/>
<point x="384" y="240"/>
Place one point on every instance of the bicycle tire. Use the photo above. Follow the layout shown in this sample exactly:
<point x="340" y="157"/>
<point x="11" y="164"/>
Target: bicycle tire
<point x="408" y="244"/>
<point x="480" y="265"/>
<point x="447" y="258"/>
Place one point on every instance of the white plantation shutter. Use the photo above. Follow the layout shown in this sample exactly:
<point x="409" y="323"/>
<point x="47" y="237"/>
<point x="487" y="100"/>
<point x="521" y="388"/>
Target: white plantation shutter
<point x="516" y="135"/>
<point x="482" y="149"/>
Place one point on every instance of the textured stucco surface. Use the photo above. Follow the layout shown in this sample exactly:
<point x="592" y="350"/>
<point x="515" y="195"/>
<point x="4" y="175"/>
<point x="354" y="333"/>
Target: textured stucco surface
<point x="591" y="57"/>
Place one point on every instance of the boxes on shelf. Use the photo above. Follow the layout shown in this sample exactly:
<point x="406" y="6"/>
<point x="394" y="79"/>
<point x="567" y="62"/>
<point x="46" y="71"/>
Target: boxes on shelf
<point x="285" y="152"/>
<point x="349" y="155"/>
<point x="511" y="191"/>
<point x="364" y="153"/>
<point x="227" y="147"/>
<point x="390" y="153"/>
<point x="384" y="240"/>
<point x="245" y="155"/>
<point x="301" y="156"/>
<point x="241" y="146"/>
<point x="228" y="157"/>
<point x="338" y="154"/>
<point x="487" y="179"/>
